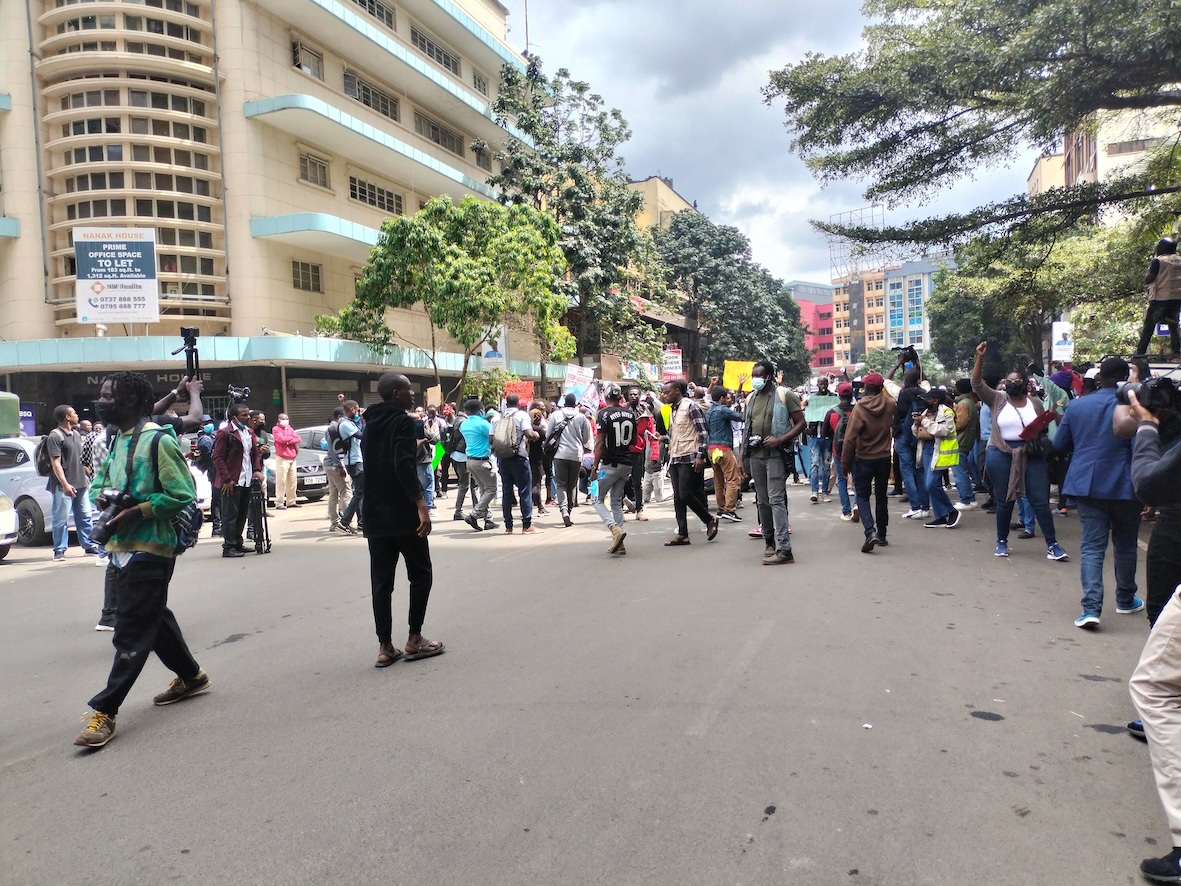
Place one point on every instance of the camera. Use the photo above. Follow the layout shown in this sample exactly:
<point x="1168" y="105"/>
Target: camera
<point x="754" y="441"/>
<point x="238" y="395"/>
<point x="192" y="361"/>
<point x="187" y="332"/>
<point x="112" y="502"/>
<point x="907" y="353"/>
<point x="1154" y="394"/>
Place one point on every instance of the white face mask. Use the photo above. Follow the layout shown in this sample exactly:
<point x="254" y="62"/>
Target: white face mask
<point x="758" y="383"/>
<point x="284" y="422"/>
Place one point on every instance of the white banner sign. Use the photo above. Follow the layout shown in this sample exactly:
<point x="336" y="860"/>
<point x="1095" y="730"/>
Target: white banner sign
<point x="671" y="365"/>
<point x="578" y="379"/>
<point x="1063" y="336"/>
<point x="115" y="272"/>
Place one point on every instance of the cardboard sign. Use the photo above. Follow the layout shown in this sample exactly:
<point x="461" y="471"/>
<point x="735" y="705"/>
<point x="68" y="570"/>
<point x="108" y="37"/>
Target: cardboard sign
<point x="671" y="365"/>
<point x="738" y="372"/>
<point x="578" y="379"/>
<point x="523" y="390"/>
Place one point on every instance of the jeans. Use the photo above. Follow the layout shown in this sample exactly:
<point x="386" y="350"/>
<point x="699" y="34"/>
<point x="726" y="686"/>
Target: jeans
<point x="727" y="480"/>
<point x="770" y="479"/>
<point x="357" y="474"/>
<point x="566" y="478"/>
<point x="654" y="480"/>
<point x="933" y="479"/>
<point x="843" y="490"/>
<point x="426" y="479"/>
<point x="819" y="450"/>
<point x="872" y="473"/>
<point x="481" y="470"/>
<point x="514" y="473"/>
<point x="1162" y="564"/>
<point x="613" y="482"/>
<point x="383" y="562"/>
<point x="962" y="473"/>
<point x="461" y="483"/>
<point x="60" y="514"/>
<point x="143" y="624"/>
<point x="1101" y="518"/>
<point x="916" y="492"/>
<point x="689" y="494"/>
<point x="1037" y="487"/>
<point x="235" y="508"/>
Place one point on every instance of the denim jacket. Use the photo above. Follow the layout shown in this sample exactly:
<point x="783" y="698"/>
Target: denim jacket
<point x="719" y="417"/>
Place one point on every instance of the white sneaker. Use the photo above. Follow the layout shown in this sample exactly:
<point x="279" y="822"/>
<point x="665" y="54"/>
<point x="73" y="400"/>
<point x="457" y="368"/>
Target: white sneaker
<point x="911" y="514"/>
<point x="847" y="517"/>
<point x="923" y="514"/>
<point x="971" y="506"/>
<point x="825" y="499"/>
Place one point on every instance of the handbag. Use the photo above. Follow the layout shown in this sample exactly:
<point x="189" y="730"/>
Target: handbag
<point x="1039" y="446"/>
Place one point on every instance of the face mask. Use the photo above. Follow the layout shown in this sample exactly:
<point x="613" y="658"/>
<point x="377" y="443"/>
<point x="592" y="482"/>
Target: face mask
<point x="758" y="383"/>
<point x="105" y="411"/>
<point x="1014" y="388"/>
<point x="209" y="429"/>
<point x="284" y="423"/>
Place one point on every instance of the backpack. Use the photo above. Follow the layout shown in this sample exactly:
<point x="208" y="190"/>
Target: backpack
<point x="339" y="443"/>
<point x="838" y="434"/>
<point x="187" y="522"/>
<point x="458" y="440"/>
<point x="205" y="453"/>
<point x="41" y="453"/>
<point x="506" y="437"/>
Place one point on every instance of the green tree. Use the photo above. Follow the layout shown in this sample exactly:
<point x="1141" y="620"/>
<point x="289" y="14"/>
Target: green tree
<point x="569" y="169"/>
<point x="473" y="266"/>
<point x="946" y="87"/>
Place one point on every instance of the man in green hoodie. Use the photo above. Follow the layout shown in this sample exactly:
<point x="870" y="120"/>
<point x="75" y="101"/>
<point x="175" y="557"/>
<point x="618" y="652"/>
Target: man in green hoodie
<point x="866" y="452"/>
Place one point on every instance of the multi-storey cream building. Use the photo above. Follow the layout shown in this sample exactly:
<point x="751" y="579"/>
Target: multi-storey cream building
<point x="265" y="141"/>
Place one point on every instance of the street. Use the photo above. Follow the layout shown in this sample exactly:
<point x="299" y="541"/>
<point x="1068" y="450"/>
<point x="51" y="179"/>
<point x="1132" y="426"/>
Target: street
<point x="924" y="714"/>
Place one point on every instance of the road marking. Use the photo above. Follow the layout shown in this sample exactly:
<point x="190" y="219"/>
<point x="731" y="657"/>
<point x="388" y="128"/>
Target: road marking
<point x="724" y="687"/>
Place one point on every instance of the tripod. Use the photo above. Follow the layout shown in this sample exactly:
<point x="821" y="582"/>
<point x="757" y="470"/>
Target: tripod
<point x="258" y="517"/>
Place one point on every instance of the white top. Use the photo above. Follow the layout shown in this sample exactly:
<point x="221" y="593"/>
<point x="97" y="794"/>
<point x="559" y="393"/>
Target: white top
<point x="244" y="436"/>
<point x="1009" y="419"/>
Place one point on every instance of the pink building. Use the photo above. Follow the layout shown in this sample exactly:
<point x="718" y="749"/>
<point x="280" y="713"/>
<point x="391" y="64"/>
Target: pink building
<point x="815" y="301"/>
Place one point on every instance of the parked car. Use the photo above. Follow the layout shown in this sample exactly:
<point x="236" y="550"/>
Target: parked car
<point x="34" y="503"/>
<point x="8" y="524"/>
<point x="311" y="482"/>
<point x="314" y="439"/>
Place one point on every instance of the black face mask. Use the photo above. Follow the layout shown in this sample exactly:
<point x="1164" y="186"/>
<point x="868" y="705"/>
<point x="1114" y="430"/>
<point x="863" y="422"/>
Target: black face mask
<point x="105" y="411"/>
<point x="1015" y="388"/>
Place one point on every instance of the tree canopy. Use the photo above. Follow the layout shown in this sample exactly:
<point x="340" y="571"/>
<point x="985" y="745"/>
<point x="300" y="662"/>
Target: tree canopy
<point x="943" y="88"/>
<point x="474" y="266"/>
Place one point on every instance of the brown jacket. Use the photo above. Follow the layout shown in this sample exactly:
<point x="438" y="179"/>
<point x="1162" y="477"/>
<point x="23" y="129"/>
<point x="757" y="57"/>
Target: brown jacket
<point x="867" y="435"/>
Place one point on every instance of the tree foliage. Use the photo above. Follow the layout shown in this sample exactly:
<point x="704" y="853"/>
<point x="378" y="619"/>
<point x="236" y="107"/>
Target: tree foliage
<point x="946" y="87"/>
<point x="570" y="170"/>
<point x="742" y="310"/>
<point x="473" y="266"/>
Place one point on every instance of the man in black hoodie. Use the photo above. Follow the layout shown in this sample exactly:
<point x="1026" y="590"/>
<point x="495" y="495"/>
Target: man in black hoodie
<point x="396" y="518"/>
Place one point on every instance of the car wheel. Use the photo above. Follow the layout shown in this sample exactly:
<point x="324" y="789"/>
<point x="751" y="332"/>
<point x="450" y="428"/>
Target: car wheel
<point x="30" y="523"/>
<point x="315" y="496"/>
<point x="4" y="551"/>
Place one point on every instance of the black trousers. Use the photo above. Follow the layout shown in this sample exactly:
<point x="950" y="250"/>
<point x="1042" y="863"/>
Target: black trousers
<point x="357" y="472"/>
<point x="875" y="472"/>
<point x="235" y="508"/>
<point x="383" y="562"/>
<point x="143" y="624"/>
<point x="1163" y="564"/>
<point x="688" y="495"/>
<point x="635" y="487"/>
<point x="1160" y="312"/>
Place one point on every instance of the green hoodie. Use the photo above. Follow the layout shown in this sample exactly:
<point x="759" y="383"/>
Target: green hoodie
<point x="162" y="496"/>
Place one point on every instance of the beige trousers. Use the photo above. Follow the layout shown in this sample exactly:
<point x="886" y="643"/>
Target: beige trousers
<point x="284" y="481"/>
<point x="340" y="490"/>
<point x="1156" y="691"/>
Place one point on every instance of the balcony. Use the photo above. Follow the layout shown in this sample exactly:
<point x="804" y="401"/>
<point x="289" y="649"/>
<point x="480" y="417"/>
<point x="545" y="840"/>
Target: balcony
<point x="319" y="233"/>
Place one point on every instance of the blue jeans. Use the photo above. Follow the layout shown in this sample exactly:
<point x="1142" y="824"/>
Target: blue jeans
<point x="1025" y="513"/>
<point x="819" y="450"/>
<point x="515" y="472"/>
<point x="962" y="474"/>
<point x="916" y="493"/>
<point x="60" y="514"/>
<point x="843" y="490"/>
<point x="1120" y="520"/>
<point x="426" y="479"/>
<point x="1037" y="487"/>
<point x="934" y="482"/>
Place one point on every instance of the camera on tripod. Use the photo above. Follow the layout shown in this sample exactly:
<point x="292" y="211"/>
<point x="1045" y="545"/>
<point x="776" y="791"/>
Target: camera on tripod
<point x="237" y="395"/>
<point x="192" y="362"/>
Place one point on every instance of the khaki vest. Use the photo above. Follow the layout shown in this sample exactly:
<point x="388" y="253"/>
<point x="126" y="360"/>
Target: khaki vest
<point x="1167" y="285"/>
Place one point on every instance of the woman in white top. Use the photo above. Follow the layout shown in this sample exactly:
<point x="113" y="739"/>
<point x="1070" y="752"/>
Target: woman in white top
<point x="1012" y="471"/>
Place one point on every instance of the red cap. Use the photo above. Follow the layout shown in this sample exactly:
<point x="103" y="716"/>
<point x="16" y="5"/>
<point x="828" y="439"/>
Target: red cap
<point x="843" y="389"/>
<point x="875" y="379"/>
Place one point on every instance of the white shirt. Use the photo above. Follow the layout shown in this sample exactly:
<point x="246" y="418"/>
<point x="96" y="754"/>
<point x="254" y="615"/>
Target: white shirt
<point x="244" y="436"/>
<point x="1009" y="419"/>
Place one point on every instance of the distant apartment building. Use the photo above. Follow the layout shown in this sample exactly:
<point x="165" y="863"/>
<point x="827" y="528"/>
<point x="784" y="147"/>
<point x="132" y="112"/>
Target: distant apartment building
<point x="816" y="316"/>
<point x="661" y="202"/>
<point x="1118" y="141"/>
<point x="265" y="141"/>
<point x="1049" y="171"/>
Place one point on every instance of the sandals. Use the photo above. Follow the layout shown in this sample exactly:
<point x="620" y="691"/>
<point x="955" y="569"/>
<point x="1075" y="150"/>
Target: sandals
<point x="676" y="541"/>
<point x="428" y="649"/>
<point x="385" y="659"/>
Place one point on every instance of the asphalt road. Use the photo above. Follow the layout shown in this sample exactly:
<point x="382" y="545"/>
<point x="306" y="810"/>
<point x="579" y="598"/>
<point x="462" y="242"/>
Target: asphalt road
<point x="675" y="716"/>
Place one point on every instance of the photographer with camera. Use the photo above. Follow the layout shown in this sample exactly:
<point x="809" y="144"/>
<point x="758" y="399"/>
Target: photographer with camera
<point x="237" y="461"/>
<point x="1154" y="686"/>
<point x="142" y="484"/>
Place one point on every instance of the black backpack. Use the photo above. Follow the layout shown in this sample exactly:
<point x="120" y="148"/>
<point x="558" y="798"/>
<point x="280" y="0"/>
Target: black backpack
<point x="838" y="434"/>
<point x="187" y="523"/>
<point x="41" y="453"/>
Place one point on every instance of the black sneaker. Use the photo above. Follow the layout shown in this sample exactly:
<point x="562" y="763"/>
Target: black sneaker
<point x="1163" y="870"/>
<point x="953" y="519"/>
<point x="233" y="552"/>
<point x="937" y="523"/>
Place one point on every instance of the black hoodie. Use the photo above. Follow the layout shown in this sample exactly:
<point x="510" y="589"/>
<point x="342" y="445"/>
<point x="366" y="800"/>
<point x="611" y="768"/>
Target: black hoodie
<point x="392" y="490"/>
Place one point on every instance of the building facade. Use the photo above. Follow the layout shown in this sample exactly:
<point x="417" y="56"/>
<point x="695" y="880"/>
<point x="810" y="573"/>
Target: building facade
<point x="661" y="202"/>
<point x="265" y="141"/>
<point x="816" y="316"/>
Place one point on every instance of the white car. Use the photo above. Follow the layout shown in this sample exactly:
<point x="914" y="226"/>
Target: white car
<point x="9" y="524"/>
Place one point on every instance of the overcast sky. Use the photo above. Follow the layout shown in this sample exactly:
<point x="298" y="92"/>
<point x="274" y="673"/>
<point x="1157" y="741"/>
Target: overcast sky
<point x="687" y="76"/>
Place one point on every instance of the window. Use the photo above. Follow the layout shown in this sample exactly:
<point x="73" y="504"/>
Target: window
<point x="483" y="158"/>
<point x="313" y="169"/>
<point x="370" y="96"/>
<point x="375" y="195"/>
<point x="434" y="51"/>
<point x="479" y="83"/>
<point x="307" y="60"/>
<point x="305" y="276"/>
<point x="441" y="136"/>
<point x="379" y="11"/>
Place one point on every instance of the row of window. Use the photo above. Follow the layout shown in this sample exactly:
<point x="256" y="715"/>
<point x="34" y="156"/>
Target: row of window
<point x="136" y="98"/>
<point x="172" y="5"/>
<point x="137" y="126"/>
<point x="139" y="153"/>
<point x="130" y="23"/>
<point x="143" y="181"/>
<point x="315" y="170"/>
<point x="135" y="46"/>
<point x="143" y="209"/>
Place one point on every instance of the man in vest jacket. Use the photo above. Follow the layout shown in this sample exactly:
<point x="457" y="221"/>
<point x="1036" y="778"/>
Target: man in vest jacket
<point x="1164" y="296"/>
